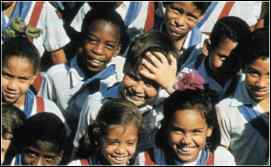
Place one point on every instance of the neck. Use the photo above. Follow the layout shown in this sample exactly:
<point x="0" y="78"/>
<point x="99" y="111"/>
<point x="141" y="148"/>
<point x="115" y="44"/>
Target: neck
<point x="178" y="43"/>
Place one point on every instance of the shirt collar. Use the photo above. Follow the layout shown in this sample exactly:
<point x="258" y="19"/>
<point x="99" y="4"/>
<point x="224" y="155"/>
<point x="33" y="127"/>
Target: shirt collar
<point x="241" y="96"/>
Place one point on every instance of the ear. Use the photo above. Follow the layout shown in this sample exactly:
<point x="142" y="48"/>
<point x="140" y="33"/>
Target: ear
<point x="206" y="47"/>
<point x="209" y="131"/>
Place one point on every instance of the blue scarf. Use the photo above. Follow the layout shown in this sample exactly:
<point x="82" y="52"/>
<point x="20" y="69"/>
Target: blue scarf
<point x="28" y="104"/>
<point x="248" y="112"/>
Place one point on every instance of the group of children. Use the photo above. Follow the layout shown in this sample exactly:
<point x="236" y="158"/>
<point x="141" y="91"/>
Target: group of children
<point x="170" y="96"/>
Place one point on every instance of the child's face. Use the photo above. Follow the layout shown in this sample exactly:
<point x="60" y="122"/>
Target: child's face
<point x="257" y="79"/>
<point x="5" y="143"/>
<point x="188" y="134"/>
<point x="180" y="18"/>
<point x="120" y="144"/>
<point x="17" y="76"/>
<point x="41" y="154"/>
<point x="220" y="61"/>
<point x="138" y="91"/>
<point x="102" y="43"/>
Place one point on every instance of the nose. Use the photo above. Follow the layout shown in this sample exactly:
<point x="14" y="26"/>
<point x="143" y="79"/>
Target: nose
<point x="12" y="84"/>
<point x="187" y="139"/>
<point x="120" y="150"/>
<point x="180" y="20"/>
<point x="139" y="87"/>
<point x="98" y="49"/>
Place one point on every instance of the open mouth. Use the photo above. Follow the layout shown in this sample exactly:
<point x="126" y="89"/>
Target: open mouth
<point x="186" y="149"/>
<point x="95" y="62"/>
<point x="119" y="159"/>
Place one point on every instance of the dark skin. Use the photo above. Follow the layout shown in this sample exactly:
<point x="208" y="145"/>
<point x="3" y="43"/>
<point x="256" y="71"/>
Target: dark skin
<point x="100" y="45"/>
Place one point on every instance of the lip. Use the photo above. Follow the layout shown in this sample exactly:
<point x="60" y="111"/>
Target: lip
<point x="119" y="159"/>
<point x="175" y="31"/>
<point x="95" y="62"/>
<point x="10" y="95"/>
<point x="186" y="150"/>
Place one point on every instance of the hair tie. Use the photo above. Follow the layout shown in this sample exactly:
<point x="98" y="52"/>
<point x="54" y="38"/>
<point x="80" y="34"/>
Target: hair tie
<point x="17" y="27"/>
<point x="189" y="80"/>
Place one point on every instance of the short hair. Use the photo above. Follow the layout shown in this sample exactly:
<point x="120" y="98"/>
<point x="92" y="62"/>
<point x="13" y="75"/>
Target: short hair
<point x="45" y="127"/>
<point x="230" y="27"/>
<point x="113" y="112"/>
<point x="23" y="48"/>
<point x="202" y="6"/>
<point x="259" y="46"/>
<point x="12" y="119"/>
<point x="150" y="41"/>
<point x="108" y="15"/>
<point x="192" y="99"/>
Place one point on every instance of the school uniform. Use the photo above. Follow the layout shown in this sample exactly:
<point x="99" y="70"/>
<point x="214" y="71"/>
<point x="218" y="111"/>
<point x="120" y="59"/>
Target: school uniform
<point x="238" y="117"/>
<point x="64" y="80"/>
<point x="43" y="16"/>
<point x="139" y="15"/>
<point x="35" y="104"/>
<point x="157" y="156"/>
<point x="97" y="159"/>
<point x="151" y="115"/>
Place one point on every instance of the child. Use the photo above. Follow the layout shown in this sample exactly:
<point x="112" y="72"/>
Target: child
<point x="12" y="120"/>
<point x="20" y="66"/>
<point x="39" y="15"/>
<point x="189" y="134"/>
<point x="180" y="20"/>
<point x="113" y="138"/>
<point x="244" y="117"/>
<point x="227" y="49"/>
<point x="135" y="88"/>
<point x="41" y="141"/>
<point x="103" y="35"/>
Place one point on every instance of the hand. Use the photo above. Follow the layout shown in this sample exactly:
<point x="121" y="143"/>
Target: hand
<point x="161" y="69"/>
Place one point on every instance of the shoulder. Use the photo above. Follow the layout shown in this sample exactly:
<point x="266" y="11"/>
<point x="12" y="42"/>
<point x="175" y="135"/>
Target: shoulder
<point x="57" y="69"/>
<point x="222" y="156"/>
<point x="75" y="163"/>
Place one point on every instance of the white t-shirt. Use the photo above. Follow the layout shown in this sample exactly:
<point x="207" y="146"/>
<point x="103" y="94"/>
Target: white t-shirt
<point x="242" y="139"/>
<point x="54" y="36"/>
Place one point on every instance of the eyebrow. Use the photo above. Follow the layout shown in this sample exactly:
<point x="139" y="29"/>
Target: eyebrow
<point x="19" y="77"/>
<point x="90" y="35"/>
<point x="182" y="10"/>
<point x="174" y="128"/>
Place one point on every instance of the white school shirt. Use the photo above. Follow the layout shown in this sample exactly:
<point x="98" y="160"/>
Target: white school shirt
<point x="222" y="157"/>
<point x="245" y="142"/>
<point x="92" y="107"/>
<point x="138" y="23"/>
<point x="49" y="106"/>
<point x="53" y="35"/>
<point x="64" y="80"/>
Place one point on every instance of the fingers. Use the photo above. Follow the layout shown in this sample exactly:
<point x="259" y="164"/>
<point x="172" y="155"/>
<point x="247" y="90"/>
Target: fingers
<point x="147" y="64"/>
<point x="146" y="73"/>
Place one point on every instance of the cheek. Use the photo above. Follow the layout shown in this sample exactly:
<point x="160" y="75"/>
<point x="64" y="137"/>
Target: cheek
<point x="151" y="92"/>
<point x="174" y="138"/>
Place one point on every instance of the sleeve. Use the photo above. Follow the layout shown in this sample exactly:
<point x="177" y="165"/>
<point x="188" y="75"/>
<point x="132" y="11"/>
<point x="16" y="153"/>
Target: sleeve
<point x="224" y="124"/>
<point x="46" y="89"/>
<point x="222" y="157"/>
<point x="79" y="17"/>
<point x="55" y="34"/>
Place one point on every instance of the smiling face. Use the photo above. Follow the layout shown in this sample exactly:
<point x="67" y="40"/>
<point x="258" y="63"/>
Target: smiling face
<point x="257" y="79"/>
<point x="188" y="134"/>
<point x="180" y="18"/>
<point x="120" y="144"/>
<point x="102" y="43"/>
<point x="17" y="76"/>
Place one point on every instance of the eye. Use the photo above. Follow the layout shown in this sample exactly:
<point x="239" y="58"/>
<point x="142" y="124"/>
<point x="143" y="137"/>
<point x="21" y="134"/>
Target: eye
<point x="197" y="131"/>
<point x="110" y="46"/>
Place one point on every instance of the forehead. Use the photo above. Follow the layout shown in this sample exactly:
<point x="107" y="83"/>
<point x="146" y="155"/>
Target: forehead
<point x="226" y="45"/>
<point x="18" y="66"/>
<point x="122" y="132"/>
<point x="189" y="119"/>
<point x="187" y="6"/>
<point x="261" y="65"/>
<point x="107" y="28"/>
